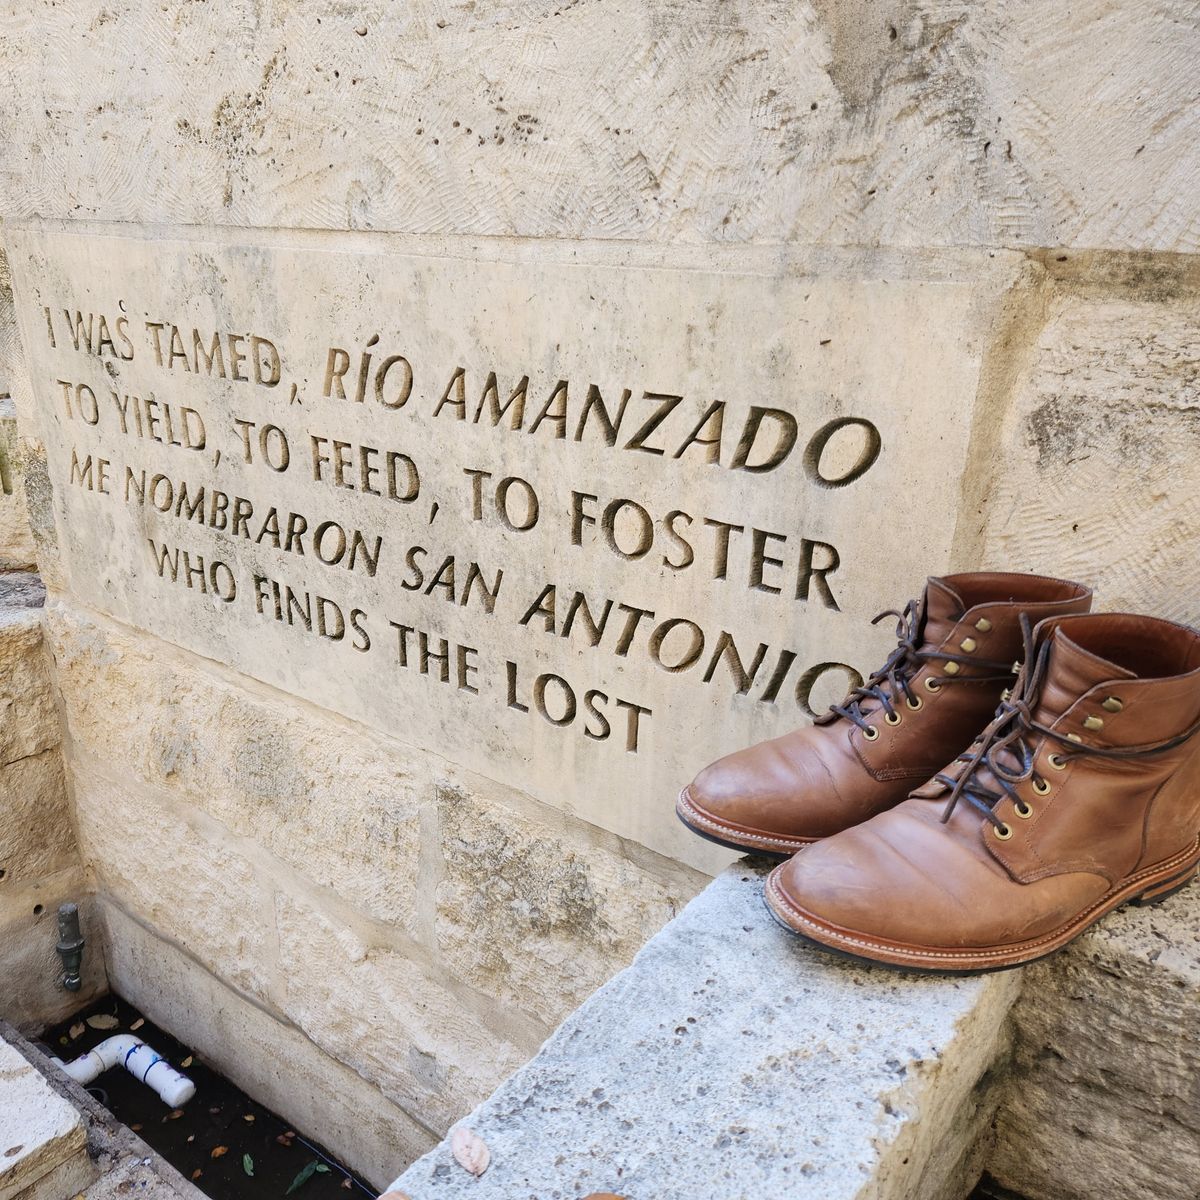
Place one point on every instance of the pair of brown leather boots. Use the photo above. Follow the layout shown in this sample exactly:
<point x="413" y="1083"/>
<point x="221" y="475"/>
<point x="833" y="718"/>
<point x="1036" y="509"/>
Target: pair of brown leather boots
<point x="1080" y="792"/>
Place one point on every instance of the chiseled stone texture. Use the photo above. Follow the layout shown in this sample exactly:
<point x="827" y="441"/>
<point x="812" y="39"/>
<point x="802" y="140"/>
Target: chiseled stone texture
<point x="41" y="1135"/>
<point x="1096" y="471"/>
<point x="16" y="541"/>
<point x="433" y="1052"/>
<point x="1104" y="1095"/>
<point x="262" y="1052"/>
<point x="853" y="121"/>
<point x="401" y="837"/>
<point x="521" y="901"/>
<point x="177" y="871"/>
<point x="731" y="1059"/>
<point x="39" y="857"/>
<point x="28" y="717"/>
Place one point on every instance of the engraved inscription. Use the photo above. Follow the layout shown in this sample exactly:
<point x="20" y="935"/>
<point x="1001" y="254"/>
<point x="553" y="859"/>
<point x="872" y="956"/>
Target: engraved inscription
<point x="414" y="491"/>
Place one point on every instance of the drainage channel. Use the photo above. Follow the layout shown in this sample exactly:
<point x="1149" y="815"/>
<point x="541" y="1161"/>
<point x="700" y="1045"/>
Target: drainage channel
<point x="228" y="1145"/>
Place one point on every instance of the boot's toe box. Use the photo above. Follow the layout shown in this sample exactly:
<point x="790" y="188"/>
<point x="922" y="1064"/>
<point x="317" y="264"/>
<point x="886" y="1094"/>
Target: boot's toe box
<point x="777" y="797"/>
<point x="903" y="881"/>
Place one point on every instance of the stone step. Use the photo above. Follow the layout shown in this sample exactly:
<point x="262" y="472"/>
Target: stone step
<point x="43" y="1144"/>
<point x="731" y="1060"/>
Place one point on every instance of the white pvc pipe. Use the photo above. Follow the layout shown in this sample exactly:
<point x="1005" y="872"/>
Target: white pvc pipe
<point x="139" y="1060"/>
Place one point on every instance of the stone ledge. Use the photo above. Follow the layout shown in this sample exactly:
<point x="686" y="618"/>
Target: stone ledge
<point x="42" y="1138"/>
<point x="730" y="1059"/>
<point x="1104" y="1094"/>
<point x="118" y="1163"/>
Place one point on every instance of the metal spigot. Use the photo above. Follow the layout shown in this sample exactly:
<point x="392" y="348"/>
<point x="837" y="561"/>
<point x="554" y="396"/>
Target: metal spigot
<point x="70" y="946"/>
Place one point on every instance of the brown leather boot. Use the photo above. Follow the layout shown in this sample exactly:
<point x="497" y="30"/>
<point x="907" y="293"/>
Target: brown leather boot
<point x="938" y="687"/>
<point x="1081" y="794"/>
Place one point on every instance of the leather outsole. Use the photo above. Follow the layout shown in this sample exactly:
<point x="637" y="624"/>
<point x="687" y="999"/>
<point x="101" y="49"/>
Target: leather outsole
<point x="731" y="836"/>
<point x="1146" y="887"/>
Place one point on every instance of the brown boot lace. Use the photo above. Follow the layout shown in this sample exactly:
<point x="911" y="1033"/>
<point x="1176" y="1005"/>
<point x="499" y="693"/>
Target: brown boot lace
<point x="1004" y="751"/>
<point x="893" y="680"/>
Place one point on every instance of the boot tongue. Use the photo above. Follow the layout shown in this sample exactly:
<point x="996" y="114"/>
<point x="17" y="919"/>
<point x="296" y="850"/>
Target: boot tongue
<point x="943" y="607"/>
<point x="1071" y="671"/>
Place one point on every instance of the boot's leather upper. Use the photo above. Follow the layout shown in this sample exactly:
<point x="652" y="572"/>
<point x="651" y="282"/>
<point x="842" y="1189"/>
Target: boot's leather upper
<point x="1081" y="793"/>
<point x="954" y="657"/>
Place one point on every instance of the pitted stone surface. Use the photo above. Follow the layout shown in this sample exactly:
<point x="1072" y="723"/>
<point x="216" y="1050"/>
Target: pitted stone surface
<point x="40" y="1132"/>
<point x="730" y="1059"/>
<point x="1104" y="1098"/>
<point x="868" y="122"/>
<point x="16" y="541"/>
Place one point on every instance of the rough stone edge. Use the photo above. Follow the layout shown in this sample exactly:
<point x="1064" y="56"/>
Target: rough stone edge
<point x="918" y="1160"/>
<point x="111" y="1146"/>
<point x="58" y="1149"/>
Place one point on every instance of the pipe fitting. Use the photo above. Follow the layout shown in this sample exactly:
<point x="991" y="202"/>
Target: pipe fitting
<point x="70" y="946"/>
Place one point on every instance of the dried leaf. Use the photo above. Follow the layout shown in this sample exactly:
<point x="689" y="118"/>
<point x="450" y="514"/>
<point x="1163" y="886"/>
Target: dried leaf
<point x="304" y="1176"/>
<point x="248" y="1117"/>
<point x="248" y="1165"/>
<point x="322" y="1169"/>
<point x="136" y="1128"/>
<point x="470" y="1151"/>
<point x="197" y="1173"/>
<point x="175" y="1114"/>
<point x="103" y="1021"/>
<point x="77" y="1031"/>
<point x="187" y="1062"/>
<point x="137" y="1024"/>
<point x="219" y="1151"/>
<point x="347" y="1184"/>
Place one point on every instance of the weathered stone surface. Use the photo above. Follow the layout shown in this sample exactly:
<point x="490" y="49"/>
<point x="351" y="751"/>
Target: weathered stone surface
<point x="780" y="415"/>
<point x="36" y="835"/>
<point x="401" y="837"/>
<point x="262" y="1053"/>
<point x="841" y="121"/>
<point x="1096" y="475"/>
<point x="336" y="803"/>
<point x="41" y="1135"/>
<point x="533" y="916"/>
<point x="178" y="872"/>
<point x="21" y="589"/>
<point x="1104" y="1096"/>
<point x="32" y="995"/>
<point x="431" y="1051"/>
<point x="28" y="717"/>
<point x="16" y="541"/>
<point x="730" y="1059"/>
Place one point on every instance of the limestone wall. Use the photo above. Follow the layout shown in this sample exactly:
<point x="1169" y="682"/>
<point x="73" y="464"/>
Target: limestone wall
<point x="969" y="227"/>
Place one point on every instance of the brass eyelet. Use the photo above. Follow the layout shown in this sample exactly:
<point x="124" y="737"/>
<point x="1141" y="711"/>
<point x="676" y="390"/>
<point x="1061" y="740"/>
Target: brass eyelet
<point x="1003" y="832"/>
<point x="968" y="644"/>
<point x="1113" y="704"/>
<point x="892" y="718"/>
<point x="951" y="668"/>
<point x="1093" y="722"/>
<point x="1057" y="761"/>
<point x="1042" y="789"/>
<point x="870" y="733"/>
<point x="931" y="684"/>
<point x="983" y="624"/>
<point x="1074" y="737"/>
<point x="1024" y="811"/>
<point x="914" y="702"/>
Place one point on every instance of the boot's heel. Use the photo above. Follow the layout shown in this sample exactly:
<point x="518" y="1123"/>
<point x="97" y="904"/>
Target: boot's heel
<point x="1166" y="888"/>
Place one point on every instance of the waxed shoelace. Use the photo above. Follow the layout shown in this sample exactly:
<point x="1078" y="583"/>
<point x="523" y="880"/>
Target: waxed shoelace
<point x="1006" y="740"/>
<point x="893" y="680"/>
